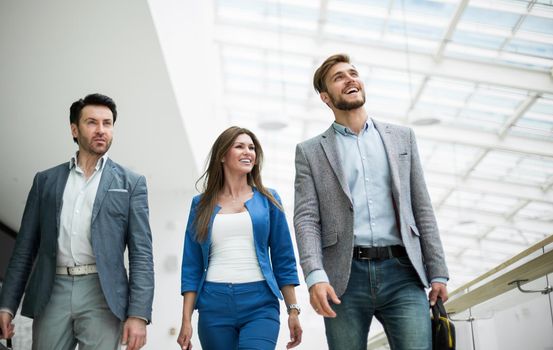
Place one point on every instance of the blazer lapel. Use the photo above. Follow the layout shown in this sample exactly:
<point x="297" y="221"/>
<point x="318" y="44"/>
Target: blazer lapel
<point x="387" y="135"/>
<point x="328" y="142"/>
<point x="60" y="187"/>
<point x="105" y="182"/>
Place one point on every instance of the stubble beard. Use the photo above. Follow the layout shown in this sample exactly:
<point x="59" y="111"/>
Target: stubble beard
<point x="344" y="105"/>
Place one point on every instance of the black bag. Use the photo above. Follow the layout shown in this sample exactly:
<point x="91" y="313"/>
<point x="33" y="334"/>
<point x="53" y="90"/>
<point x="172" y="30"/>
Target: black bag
<point x="8" y="343"/>
<point x="443" y="330"/>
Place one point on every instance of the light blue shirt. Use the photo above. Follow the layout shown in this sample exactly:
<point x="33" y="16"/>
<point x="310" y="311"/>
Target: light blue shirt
<point x="365" y="165"/>
<point x="367" y="171"/>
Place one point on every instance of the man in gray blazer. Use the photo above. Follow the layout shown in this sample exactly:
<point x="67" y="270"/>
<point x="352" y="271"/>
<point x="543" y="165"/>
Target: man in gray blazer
<point x="79" y="218"/>
<point x="366" y="232"/>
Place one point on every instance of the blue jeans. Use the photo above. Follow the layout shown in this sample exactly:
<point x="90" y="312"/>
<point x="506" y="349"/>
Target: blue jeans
<point x="238" y="316"/>
<point x="391" y="291"/>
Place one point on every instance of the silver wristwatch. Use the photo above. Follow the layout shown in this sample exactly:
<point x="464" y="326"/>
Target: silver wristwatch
<point x="293" y="306"/>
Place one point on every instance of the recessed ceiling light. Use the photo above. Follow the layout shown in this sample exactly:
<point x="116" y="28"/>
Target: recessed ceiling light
<point x="272" y="125"/>
<point x="426" y="121"/>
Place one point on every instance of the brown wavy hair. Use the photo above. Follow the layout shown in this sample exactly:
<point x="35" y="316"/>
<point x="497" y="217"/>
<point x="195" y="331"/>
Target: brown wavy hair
<point x="320" y="74"/>
<point x="214" y="178"/>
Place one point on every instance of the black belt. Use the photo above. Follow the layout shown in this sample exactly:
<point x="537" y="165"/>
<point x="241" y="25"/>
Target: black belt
<point x="379" y="253"/>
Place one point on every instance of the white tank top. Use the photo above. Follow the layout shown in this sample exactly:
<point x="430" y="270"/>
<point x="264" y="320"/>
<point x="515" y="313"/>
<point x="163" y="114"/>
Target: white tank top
<point x="232" y="257"/>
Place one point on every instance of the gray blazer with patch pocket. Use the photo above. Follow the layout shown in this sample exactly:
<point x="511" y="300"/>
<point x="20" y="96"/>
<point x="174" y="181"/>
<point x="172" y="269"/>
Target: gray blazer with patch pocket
<point x="323" y="213"/>
<point x="120" y="220"/>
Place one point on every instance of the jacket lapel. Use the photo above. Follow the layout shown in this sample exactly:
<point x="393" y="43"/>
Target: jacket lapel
<point x="105" y="182"/>
<point x="60" y="187"/>
<point x="387" y="135"/>
<point x="328" y="142"/>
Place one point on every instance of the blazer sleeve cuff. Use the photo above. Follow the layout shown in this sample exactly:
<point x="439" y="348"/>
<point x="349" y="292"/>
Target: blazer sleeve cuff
<point x="316" y="276"/>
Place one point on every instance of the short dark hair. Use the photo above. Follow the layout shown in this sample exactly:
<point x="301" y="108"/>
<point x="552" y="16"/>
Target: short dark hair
<point x="91" y="100"/>
<point x="320" y="74"/>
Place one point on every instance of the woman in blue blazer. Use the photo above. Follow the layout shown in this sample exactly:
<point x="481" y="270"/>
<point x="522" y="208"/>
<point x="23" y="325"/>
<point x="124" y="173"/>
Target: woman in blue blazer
<point x="238" y="257"/>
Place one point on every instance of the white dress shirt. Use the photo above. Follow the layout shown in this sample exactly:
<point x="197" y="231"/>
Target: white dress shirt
<point x="74" y="242"/>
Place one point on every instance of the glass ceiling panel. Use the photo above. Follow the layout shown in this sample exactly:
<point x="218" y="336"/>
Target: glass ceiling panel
<point x="415" y="30"/>
<point x="442" y="157"/>
<point x="435" y="8"/>
<point x="511" y="167"/>
<point x="355" y="22"/>
<point x="268" y="14"/>
<point x="530" y="48"/>
<point x="533" y="128"/>
<point x="537" y="211"/>
<point x="478" y="40"/>
<point x="538" y="24"/>
<point x="489" y="17"/>
<point x="481" y="202"/>
<point x="491" y="122"/>
<point x="524" y="238"/>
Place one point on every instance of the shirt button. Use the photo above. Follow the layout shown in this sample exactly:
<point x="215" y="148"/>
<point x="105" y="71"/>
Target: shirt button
<point x="367" y="179"/>
<point x="373" y="223"/>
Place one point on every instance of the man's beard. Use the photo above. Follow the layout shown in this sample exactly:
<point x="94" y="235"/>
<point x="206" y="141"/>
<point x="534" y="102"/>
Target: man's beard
<point x="344" y="105"/>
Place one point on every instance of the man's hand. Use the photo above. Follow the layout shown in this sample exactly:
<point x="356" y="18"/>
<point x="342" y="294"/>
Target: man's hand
<point x="6" y="325"/>
<point x="438" y="290"/>
<point x="134" y="333"/>
<point x="319" y="294"/>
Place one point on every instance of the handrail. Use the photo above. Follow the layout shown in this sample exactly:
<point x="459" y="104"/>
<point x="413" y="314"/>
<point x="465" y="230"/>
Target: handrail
<point x="503" y="265"/>
<point x="528" y="272"/>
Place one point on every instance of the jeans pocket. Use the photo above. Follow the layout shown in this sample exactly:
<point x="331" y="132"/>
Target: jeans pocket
<point x="403" y="261"/>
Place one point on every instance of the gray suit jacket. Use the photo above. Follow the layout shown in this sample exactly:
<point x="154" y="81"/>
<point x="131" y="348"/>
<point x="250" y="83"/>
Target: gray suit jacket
<point x="119" y="220"/>
<point x="323" y="214"/>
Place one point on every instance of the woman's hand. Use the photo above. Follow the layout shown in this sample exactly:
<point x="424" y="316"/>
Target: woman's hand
<point x="295" y="329"/>
<point x="185" y="336"/>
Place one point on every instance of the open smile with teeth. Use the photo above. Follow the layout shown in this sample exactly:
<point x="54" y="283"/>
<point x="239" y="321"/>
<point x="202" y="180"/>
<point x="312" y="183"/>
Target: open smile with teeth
<point x="352" y="90"/>
<point x="246" y="161"/>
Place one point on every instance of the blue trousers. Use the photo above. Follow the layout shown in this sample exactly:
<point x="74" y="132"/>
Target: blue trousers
<point x="389" y="290"/>
<point x="238" y="316"/>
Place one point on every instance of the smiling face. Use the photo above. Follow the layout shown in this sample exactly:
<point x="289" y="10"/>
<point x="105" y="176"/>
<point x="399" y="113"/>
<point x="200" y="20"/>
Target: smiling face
<point x="345" y="90"/>
<point x="241" y="156"/>
<point x="94" y="131"/>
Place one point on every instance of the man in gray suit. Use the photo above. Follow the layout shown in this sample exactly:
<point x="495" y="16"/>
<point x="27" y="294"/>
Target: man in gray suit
<point x="79" y="218"/>
<point x="366" y="232"/>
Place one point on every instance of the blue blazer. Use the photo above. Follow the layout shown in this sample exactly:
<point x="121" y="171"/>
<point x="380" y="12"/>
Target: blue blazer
<point x="119" y="221"/>
<point x="273" y="246"/>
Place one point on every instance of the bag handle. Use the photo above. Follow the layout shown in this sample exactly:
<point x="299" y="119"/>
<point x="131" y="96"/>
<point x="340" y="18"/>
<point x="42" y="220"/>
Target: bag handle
<point x="438" y="310"/>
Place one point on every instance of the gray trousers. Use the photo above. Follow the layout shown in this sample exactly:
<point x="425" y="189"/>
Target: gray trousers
<point x="77" y="313"/>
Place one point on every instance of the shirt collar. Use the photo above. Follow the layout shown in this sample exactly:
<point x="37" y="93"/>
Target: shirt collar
<point x="345" y="131"/>
<point x="99" y="165"/>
